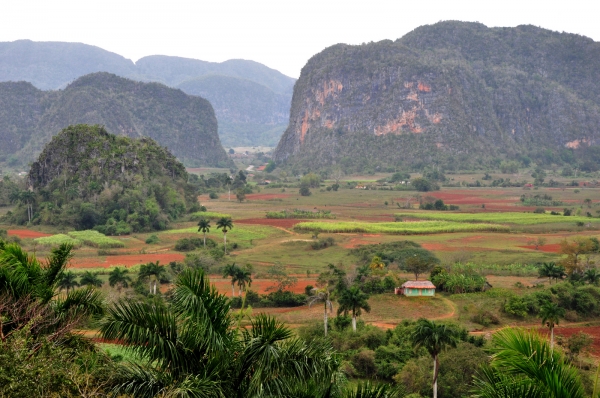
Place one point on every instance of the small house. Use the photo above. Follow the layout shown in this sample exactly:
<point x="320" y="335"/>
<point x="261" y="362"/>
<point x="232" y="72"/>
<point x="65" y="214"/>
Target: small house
<point x="416" y="288"/>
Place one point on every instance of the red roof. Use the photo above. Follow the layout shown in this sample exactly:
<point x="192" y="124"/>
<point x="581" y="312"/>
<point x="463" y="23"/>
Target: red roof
<point x="418" y="285"/>
<point x="261" y="168"/>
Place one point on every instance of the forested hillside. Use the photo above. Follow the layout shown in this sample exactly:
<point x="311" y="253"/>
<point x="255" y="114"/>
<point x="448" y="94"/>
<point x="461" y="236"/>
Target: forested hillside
<point x="87" y="178"/>
<point x="455" y="94"/>
<point x="185" y="124"/>
<point x="53" y="65"/>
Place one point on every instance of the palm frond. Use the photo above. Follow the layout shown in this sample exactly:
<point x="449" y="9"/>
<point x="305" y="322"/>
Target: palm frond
<point x="490" y="383"/>
<point x="370" y="390"/>
<point x="57" y="263"/>
<point x="81" y="302"/>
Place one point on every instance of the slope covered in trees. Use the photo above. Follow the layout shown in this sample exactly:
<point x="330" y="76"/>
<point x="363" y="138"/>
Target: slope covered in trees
<point x="53" y="65"/>
<point x="453" y="93"/>
<point x="87" y="178"/>
<point x="185" y="124"/>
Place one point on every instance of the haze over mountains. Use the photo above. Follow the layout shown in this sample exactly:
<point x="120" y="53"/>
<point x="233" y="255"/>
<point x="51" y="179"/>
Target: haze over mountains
<point x="185" y="124"/>
<point x="453" y="93"/>
<point x="228" y="85"/>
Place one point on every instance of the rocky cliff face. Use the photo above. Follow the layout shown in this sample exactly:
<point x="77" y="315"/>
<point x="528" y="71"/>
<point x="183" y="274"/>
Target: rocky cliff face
<point x="446" y="93"/>
<point x="185" y="124"/>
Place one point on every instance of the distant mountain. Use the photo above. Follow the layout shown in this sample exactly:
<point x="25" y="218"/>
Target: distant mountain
<point x="184" y="124"/>
<point x="53" y="65"/>
<point x="454" y="94"/>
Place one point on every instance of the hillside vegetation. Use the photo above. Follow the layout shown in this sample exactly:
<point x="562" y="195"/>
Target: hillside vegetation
<point x="185" y="124"/>
<point x="89" y="179"/>
<point x="457" y="94"/>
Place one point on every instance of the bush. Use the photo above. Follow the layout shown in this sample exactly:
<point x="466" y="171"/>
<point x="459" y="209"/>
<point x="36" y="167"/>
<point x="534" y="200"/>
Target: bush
<point x="540" y="210"/>
<point x="213" y="195"/>
<point x="322" y="243"/>
<point x="485" y="318"/>
<point x="152" y="240"/>
<point x="305" y="191"/>
<point x="364" y="363"/>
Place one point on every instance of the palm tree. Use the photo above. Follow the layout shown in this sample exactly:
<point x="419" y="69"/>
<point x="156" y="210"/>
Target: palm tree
<point x="90" y="279"/>
<point x="154" y="272"/>
<point x="189" y="348"/>
<point x="435" y="338"/>
<point x="353" y="300"/>
<point x="27" y="282"/>
<point x="119" y="277"/>
<point x="547" y="270"/>
<point x="322" y="295"/>
<point x="592" y="276"/>
<point x="243" y="277"/>
<point x="551" y="314"/>
<point x="228" y="182"/>
<point x="225" y="224"/>
<point x="524" y="365"/>
<point x="68" y="281"/>
<point x="204" y="227"/>
<point x="230" y="271"/>
<point x="558" y="273"/>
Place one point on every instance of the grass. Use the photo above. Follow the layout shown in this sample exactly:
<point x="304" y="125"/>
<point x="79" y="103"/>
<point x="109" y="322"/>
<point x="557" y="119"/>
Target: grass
<point x="399" y="228"/>
<point x="499" y="218"/>
<point x="208" y="214"/>
<point x="96" y="239"/>
<point x="58" y="239"/>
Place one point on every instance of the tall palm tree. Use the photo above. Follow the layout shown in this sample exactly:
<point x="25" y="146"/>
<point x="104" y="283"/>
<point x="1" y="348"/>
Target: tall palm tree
<point x="229" y="182"/>
<point x="68" y="281"/>
<point x="524" y="365"/>
<point x="189" y="348"/>
<point x="153" y="272"/>
<point x="90" y="279"/>
<point x="551" y="314"/>
<point x="322" y="295"/>
<point x="230" y="271"/>
<point x="353" y="300"/>
<point x="204" y="227"/>
<point x="243" y="278"/>
<point x="225" y="224"/>
<point x="28" y="198"/>
<point x="592" y="276"/>
<point x="119" y="277"/>
<point x="435" y="338"/>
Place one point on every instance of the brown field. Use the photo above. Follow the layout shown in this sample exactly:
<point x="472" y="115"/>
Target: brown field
<point x="26" y="233"/>
<point x="125" y="260"/>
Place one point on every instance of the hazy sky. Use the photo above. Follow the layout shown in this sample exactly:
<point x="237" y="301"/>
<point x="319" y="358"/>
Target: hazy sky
<point x="282" y="34"/>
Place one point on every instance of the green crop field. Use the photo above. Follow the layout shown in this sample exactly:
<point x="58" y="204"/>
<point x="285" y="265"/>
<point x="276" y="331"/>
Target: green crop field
<point x="399" y="228"/>
<point x="498" y="218"/>
<point x="96" y="239"/>
<point x="58" y="239"/>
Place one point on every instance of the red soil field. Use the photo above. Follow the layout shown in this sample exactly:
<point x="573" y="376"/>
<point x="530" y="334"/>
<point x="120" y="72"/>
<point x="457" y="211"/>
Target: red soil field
<point x="273" y="222"/>
<point x="593" y="331"/>
<point x="126" y="260"/>
<point x="267" y="196"/>
<point x="261" y="285"/>
<point x="26" y="233"/>
<point x="553" y="248"/>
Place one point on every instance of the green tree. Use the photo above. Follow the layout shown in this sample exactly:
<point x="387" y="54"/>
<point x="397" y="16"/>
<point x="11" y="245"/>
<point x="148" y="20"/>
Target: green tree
<point x="153" y="272"/>
<point x="592" y="275"/>
<point x="68" y="281"/>
<point x="547" y="270"/>
<point x="231" y="271"/>
<point x="204" y="227"/>
<point x="118" y="277"/>
<point x="551" y="314"/>
<point x="353" y="300"/>
<point x="243" y="277"/>
<point x="418" y="261"/>
<point x="90" y="279"/>
<point x="524" y="365"/>
<point x="240" y="194"/>
<point x="434" y="338"/>
<point x="322" y="295"/>
<point x="225" y="224"/>
<point x="189" y="348"/>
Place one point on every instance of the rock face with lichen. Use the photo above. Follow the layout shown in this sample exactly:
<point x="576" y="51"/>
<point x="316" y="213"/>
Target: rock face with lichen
<point x="457" y="94"/>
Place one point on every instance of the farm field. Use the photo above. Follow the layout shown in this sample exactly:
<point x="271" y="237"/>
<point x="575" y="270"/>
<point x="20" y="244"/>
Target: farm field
<point x="498" y="237"/>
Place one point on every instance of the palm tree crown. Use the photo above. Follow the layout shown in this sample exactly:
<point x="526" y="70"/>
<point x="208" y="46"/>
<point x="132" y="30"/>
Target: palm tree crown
<point x="204" y="227"/>
<point x="68" y="281"/>
<point x="90" y="279"/>
<point x="322" y="295"/>
<point x="353" y="300"/>
<point x="119" y="277"/>
<point x="243" y="278"/>
<point x="154" y="272"/>
<point x="231" y="271"/>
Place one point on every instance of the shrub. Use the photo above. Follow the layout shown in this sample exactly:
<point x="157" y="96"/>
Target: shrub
<point x="305" y="191"/>
<point x="322" y="243"/>
<point x="213" y="195"/>
<point x="485" y="318"/>
<point x="539" y="210"/>
<point x="152" y="240"/>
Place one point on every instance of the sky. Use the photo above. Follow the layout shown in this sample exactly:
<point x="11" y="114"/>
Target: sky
<point x="282" y="34"/>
